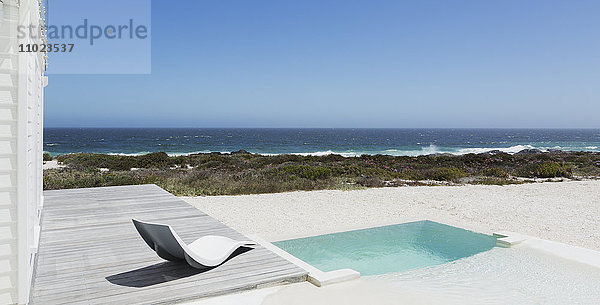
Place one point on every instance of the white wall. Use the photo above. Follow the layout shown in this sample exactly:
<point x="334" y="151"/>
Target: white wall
<point x="21" y="94"/>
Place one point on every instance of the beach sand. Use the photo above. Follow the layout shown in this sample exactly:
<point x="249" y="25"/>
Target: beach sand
<point x="52" y="164"/>
<point x="567" y="212"/>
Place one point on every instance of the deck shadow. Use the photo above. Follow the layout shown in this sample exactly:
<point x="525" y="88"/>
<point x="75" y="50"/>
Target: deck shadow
<point x="162" y="272"/>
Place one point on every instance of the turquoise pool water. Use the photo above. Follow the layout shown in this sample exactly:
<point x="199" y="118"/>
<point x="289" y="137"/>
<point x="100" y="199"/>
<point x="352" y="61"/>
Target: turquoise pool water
<point x="390" y="248"/>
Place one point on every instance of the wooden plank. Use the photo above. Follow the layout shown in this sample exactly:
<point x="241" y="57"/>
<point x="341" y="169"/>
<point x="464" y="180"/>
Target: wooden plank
<point x="208" y="285"/>
<point x="143" y="269"/>
<point x="58" y="266"/>
<point x="184" y="293"/>
<point x="90" y="253"/>
<point x="67" y="288"/>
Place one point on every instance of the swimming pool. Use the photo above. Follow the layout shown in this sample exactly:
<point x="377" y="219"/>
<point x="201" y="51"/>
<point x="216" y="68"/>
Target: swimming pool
<point x="389" y="249"/>
<point x="518" y="275"/>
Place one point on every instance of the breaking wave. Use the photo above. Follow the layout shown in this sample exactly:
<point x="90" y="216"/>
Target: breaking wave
<point x="432" y="149"/>
<point x="509" y="150"/>
<point x="425" y="150"/>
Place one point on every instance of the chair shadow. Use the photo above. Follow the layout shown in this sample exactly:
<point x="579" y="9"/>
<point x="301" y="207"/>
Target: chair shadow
<point x="163" y="272"/>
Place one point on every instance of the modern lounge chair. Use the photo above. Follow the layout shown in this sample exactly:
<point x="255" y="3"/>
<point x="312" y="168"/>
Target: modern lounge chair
<point x="206" y="251"/>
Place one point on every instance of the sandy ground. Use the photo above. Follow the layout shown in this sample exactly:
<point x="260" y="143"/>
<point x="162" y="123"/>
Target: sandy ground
<point x="51" y="164"/>
<point x="563" y="211"/>
<point x="355" y="292"/>
<point x="568" y="212"/>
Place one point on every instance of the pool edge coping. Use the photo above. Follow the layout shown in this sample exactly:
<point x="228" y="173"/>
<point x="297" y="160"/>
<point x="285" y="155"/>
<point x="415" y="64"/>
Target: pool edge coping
<point x="562" y="250"/>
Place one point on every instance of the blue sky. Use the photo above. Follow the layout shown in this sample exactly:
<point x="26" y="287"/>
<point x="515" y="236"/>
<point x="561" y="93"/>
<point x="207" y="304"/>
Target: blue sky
<point x="351" y="64"/>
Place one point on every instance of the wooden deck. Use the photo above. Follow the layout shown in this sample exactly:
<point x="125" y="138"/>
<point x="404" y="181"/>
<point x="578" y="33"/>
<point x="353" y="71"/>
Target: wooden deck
<point x="90" y="252"/>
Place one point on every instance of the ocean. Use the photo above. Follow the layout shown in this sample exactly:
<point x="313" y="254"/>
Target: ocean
<point x="346" y="142"/>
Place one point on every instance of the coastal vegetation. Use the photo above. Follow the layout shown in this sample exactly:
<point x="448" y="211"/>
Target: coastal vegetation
<point x="46" y="157"/>
<point x="245" y="173"/>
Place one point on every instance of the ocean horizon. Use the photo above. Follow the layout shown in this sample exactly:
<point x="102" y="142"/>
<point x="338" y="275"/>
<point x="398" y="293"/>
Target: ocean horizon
<point x="315" y="141"/>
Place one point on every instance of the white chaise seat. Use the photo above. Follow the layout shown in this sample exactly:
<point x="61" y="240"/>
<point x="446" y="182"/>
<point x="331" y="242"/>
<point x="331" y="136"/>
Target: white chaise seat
<point x="206" y="251"/>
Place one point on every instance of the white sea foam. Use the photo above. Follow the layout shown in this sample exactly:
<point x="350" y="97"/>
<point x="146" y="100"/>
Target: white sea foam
<point x="509" y="150"/>
<point x="329" y="152"/>
<point x="317" y="153"/>
<point x="129" y="154"/>
<point x="425" y="150"/>
<point x="179" y="154"/>
<point x="432" y="149"/>
<point x="171" y="154"/>
<point x="428" y="150"/>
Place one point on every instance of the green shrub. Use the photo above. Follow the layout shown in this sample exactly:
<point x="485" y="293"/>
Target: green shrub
<point x="306" y="171"/>
<point x="153" y="160"/>
<point x="495" y="172"/>
<point x="70" y="178"/>
<point x="242" y="173"/>
<point x="47" y="157"/>
<point x="370" y="181"/>
<point x="196" y="175"/>
<point x="497" y="181"/>
<point x="212" y="164"/>
<point x="332" y="158"/>
<point x="93" y="161"/>
<point x="544" y="170"/>
<point x="446" y="174"/>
